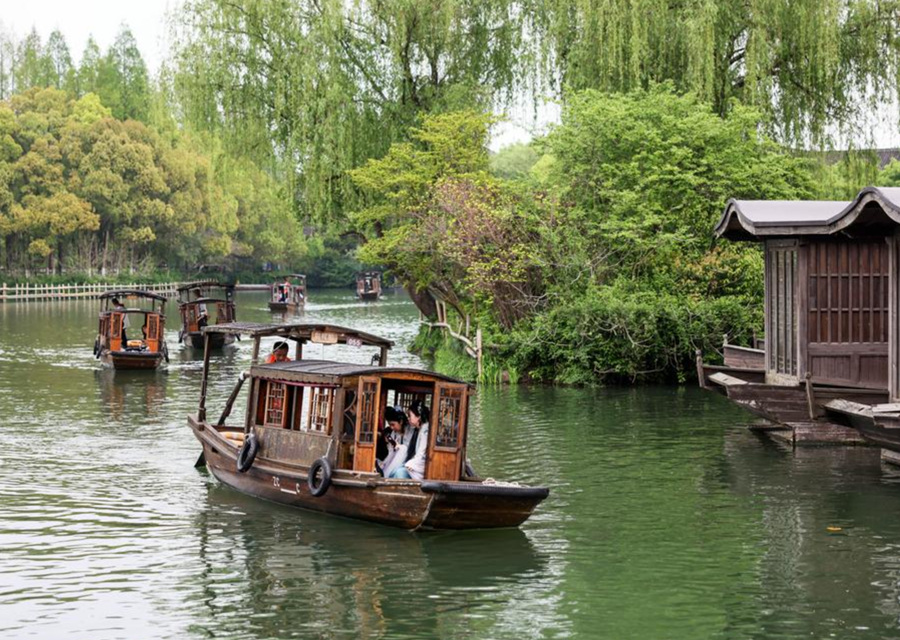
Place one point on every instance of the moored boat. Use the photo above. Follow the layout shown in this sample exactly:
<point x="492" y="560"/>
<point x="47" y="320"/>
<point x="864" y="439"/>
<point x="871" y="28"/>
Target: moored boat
<point x="830" y="312"/>
<point x="131" y="337"/>
<point x="202" y="304"/>
<point x="368" y="285"/>
<point x="312" y="429"/>
<point x="288" y="293"/>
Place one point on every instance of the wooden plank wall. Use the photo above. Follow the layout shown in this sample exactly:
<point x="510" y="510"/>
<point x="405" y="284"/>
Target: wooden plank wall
<point x="781" y="309"/>
<point x="847" y="311"/>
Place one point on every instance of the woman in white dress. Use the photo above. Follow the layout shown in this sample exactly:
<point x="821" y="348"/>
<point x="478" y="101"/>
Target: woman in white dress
<point x="414" y="465"/>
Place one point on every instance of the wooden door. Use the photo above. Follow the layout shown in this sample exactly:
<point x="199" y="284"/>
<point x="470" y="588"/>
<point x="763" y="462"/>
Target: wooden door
<point x="448" y="432"/>
<point x="115" y="331"/>
<point x="367" y="419"/>
<point x="153" y="332"/>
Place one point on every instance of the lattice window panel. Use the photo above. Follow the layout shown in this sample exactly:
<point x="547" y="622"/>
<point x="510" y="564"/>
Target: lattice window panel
<point x="275" y="404"/>
<point x="349" y="415"/>
<point x="367" y="423"/>
<point x="319" y="409"/>
<point x="447" y="424"/>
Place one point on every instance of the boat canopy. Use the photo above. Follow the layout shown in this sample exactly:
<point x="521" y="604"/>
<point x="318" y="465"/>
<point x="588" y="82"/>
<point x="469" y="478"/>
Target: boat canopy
<point x="292" y="275"/>
<point x="205" y="300"/>
<point x="130" y="293"/>
<point x="873" y="207"/>
<point x="204" y="284"/>
<point x="328" y="372"/>
<point x="302" y="332"/>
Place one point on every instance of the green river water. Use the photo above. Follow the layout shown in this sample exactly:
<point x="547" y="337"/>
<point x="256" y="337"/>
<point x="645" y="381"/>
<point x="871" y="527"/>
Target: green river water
<point x="667" y="518"/>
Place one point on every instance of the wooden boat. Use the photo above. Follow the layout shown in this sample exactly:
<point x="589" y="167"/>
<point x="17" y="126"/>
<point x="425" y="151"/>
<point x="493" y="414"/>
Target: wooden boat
<point x="797" y="410"/>
<point x="368" y="285"/>
<point x="311" y="431"/>
<point x="201" y="304"/>
<point x="288" y="293"/>
<point x="878" y="423"/>
<point x="131" y="337"/>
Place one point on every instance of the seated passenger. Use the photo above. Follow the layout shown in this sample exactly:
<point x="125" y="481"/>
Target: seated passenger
<point x="397" y="437"/>
<point x="279" y="353"/>
<point x="414" y="464"/>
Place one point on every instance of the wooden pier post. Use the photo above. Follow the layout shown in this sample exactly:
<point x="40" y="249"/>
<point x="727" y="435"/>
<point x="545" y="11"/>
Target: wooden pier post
<point x="478" y="351"/>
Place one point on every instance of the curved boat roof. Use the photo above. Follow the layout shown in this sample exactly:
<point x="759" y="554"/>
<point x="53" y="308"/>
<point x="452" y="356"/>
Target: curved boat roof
<point x="301" y="331"/>
<point x="291" y="275"/>
<point x="126" y="293"/>
<point x="200" y="300"/>
<point x="756" y="219"/>
<point x="203" y="284"/>
<point x="330" y="372"/>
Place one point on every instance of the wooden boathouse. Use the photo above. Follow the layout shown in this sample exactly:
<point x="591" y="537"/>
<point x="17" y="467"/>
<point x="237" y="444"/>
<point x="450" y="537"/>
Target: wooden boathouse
<point x="831" y="310"/>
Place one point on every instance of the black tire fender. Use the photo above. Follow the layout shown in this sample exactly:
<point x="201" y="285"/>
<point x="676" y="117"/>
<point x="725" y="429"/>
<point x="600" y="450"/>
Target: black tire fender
<point x="319" y="478"/>
<point x="247" y="454"/>
<point x="97" y="348"/>
<point x="165" y="351"/>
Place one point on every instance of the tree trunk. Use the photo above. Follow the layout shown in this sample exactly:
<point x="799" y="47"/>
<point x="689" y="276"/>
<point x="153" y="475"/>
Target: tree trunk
<point x="423" y="301"/>
<point x="105" y="252"/>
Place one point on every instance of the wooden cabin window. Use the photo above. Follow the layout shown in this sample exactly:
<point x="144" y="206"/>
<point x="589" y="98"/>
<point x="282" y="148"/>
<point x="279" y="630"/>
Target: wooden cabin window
<point x="448" y="419"/>
<point x="405" y="398"/>
<point x="275" y="404"/>
<point x="320" y="410"/>
<point x="367" y="413"/>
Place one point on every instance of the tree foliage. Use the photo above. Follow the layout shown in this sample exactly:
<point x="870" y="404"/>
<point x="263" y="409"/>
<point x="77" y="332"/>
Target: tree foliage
<point x="603" y="268"/>
<point x="319" y="87"/>
<point x="81" y="189"/>
<point x="805" y="64"/>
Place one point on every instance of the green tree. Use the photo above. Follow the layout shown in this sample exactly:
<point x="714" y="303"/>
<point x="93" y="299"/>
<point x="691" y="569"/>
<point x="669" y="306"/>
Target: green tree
<point x="125" y="78"/>
<point x="31" y="69"/>
<point x="804" y="63"/>
<point x="316" y="88"/>
<point x="7" y="62"/>
<point x="514" y="162"/>
<point x="58" y="61"/>
<point x="88" y="76"/>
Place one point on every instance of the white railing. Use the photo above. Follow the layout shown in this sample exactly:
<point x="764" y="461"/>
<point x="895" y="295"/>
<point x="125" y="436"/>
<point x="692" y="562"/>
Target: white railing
<point x="25" y="292"/>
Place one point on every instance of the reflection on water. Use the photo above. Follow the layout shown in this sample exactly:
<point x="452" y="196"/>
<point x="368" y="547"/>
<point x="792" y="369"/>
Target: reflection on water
<point x="667" y="518"/>
<point x="317" y="574"/>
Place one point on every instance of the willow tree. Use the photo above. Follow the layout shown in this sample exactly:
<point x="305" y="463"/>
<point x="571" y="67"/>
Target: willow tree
<point x="316" y="87"/>
<point x="810" y="65"/>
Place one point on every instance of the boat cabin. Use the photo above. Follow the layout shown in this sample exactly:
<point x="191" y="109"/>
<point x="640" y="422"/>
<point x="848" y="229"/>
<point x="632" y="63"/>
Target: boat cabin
<point x="288" y="292"/>
<point x="202" y="304"/>
<point x="368" y="285"/>
<point x="131" y="332"/>
<point x="305" y="409"/>
<point x="831" y="286"/>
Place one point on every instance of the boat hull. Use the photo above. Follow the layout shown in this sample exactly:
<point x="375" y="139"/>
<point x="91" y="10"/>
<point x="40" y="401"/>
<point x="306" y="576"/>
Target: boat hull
<point x="879" y="429"/>
<point x="407" y="504"/>
<point x="195" y="340"/>
<point x="798" y="414"/>
<point x="284" y="307"/>
<point x="124" y="360"/>
<point x="372" y="295"/>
